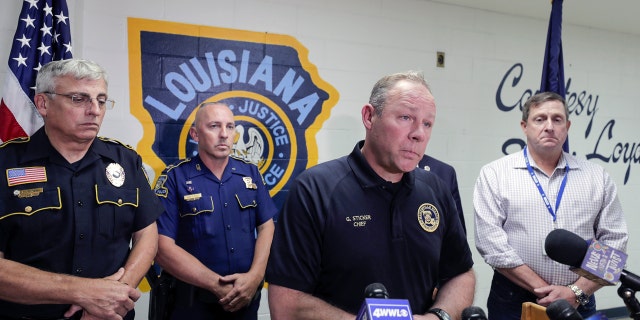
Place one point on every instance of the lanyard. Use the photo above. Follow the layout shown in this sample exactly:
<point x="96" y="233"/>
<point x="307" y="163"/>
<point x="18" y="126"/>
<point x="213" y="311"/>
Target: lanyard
<point x="542" y="194"/>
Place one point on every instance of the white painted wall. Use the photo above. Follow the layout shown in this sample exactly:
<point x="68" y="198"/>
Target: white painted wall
<point x="355" y="42"/>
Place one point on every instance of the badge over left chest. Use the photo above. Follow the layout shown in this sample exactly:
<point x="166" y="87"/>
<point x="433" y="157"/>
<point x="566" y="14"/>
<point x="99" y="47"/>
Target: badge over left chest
<point x="115" y="174"/>
<point x="248" y="182"/>
<point x="428" y="217"/>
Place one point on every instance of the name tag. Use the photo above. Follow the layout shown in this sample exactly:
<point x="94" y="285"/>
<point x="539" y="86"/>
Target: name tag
<point x="192" y="197"/>
<point x="28" y="193"/>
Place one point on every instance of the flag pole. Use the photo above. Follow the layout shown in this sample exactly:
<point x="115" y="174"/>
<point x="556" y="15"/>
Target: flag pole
<point x="553" y="66"/>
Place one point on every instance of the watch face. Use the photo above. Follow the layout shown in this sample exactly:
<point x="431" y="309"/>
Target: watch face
<point x="583" y="300"/>
<point x="581" y="297"/>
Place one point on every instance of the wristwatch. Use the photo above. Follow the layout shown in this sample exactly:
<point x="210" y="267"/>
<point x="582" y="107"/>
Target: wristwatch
<point x="443" y="315"/>
<point x="581" y="297"/>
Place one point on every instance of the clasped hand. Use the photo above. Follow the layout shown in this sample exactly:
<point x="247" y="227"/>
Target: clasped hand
<point x="104" y="298"/>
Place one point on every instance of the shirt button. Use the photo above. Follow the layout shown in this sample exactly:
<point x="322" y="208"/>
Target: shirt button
<point x="232" y="250"/>
<point x="225" y="204"/>
<point x="228" y="227"/>
<point x="194" y="210"/>
<point x="79" y="270"/>
<point x="82" y="236"/>
<point x="119" y="201"/>
<point x="80" y="204"/>
<point x="28" y="209"/>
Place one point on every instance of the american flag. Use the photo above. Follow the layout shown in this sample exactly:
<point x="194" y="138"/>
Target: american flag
<point x="18" y="176"/>
<point x="42" y="35"/>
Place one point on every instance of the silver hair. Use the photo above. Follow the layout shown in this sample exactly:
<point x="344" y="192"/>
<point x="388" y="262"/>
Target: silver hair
<point x="77" y="68"/>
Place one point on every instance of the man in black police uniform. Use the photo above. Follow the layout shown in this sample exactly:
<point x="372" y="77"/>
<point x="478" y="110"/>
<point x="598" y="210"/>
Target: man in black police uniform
<point x="373" y="216"/>
<point x="70" y="205"/>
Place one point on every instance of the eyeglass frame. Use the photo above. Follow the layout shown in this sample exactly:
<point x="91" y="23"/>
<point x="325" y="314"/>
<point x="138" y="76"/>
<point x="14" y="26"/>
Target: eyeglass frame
<point x="73" y="96"/>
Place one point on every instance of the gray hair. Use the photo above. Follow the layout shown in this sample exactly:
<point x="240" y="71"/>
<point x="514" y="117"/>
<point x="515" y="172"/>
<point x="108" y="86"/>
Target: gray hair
<point x="540" y="98"/>
<point x="380" y="90"/>
<point x="78" y="68"/>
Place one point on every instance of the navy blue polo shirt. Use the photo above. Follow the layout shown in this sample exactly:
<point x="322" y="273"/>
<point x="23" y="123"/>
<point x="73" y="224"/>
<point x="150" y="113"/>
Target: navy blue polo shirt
<point x="66" y="218"/>
<point x="214" y="219"/>
<point x="342" y="228"/>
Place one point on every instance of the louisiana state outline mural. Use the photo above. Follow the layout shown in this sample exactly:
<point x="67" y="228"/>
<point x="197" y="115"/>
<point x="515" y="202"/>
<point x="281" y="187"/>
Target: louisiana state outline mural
<point x="276" y="94"/>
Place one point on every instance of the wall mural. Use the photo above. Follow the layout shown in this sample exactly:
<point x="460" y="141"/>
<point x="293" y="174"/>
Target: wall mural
<point x="277" y="96"/>
<point x="607" y="147"/>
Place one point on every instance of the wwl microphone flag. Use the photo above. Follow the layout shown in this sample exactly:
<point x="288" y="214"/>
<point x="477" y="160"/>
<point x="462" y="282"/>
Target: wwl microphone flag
<point x="553" y="67"/>
<point x="43" y="34"/>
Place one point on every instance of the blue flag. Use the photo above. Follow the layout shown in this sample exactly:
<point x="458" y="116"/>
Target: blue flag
<point x="553" y="67"/>
<point x="43" y="34"/>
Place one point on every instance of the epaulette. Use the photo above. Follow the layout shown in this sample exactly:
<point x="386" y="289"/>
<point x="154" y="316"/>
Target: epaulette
<point x="239" y="158"/>
<point x="106" y="139"/>
<point x="259" y="164"/>
<point x="177" y="164"/>
<point x="15" y="140"/>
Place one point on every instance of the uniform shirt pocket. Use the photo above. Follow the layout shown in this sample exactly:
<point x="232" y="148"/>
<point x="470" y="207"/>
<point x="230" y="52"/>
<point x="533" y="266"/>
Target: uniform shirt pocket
<point x="195" y="206"/>
<point x="116" y="209"/>
<point x="30" y="212"/>
<point x="31" y="201"/>
<point x="248" y="206"/>
<point x="196" y="216"/>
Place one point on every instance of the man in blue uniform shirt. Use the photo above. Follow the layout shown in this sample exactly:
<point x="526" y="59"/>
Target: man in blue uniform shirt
<point x="215" y="204"/>
<point x="373" y="216"/>
<point x="71" y="205"/>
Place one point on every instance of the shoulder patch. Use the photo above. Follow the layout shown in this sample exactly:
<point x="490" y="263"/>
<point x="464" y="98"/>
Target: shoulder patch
<point x="160" y="189"/>
<point x="15" y="140"/>
<point x="105" y="139"/>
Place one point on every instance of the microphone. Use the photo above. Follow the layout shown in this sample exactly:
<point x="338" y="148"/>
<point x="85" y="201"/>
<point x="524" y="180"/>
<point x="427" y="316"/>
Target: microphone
<point x="562" y="310"/>
<point x="590" y="259"/>
<point x="376" y="290"/>
<point x="378" y="306"/>
<point x="473" y="313"/>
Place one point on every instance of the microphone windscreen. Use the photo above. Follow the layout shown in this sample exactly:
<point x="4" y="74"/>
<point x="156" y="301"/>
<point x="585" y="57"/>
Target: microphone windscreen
<point x="562" y="310"/>
<point x="376" y="290"/>
<point x="473" y="312"/>
<point x="565" y="247"/>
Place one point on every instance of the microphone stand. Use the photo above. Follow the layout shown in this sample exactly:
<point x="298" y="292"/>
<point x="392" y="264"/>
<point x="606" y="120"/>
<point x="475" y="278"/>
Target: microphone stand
<point x="629" y="297"/>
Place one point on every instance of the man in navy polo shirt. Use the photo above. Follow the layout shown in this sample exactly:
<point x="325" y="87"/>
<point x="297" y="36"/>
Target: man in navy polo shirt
<point x="372" y="216"/>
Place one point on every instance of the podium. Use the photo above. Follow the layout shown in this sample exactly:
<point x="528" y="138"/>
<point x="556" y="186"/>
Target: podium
<point x="532" y="311"/>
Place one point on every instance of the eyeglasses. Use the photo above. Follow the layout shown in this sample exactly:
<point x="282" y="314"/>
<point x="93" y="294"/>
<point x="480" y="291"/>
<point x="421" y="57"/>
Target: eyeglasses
<point x="84" y="100"/>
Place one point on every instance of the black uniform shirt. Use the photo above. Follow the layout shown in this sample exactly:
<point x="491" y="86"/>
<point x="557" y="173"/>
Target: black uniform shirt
<point x="342" y="228"/>
<point x="70" y="218"/>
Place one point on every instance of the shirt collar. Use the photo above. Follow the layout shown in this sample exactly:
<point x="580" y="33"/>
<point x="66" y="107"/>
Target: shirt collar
<point x="39" y="147"/>
<point x="365" y="174"/>
<point x="565" y="159"/>
<point x="234" y="166"/>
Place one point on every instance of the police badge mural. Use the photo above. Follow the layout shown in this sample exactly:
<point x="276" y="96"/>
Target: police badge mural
<point x="278" y="99"/>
